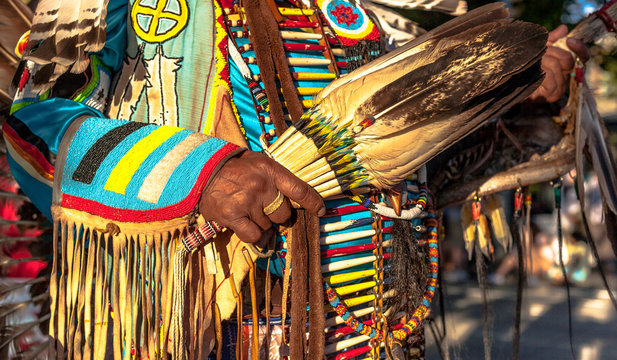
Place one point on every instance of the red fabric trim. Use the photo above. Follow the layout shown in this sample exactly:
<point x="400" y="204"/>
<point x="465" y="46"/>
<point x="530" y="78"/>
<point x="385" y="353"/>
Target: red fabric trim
<point x="166" y="213"/>
<point x="30" y="149"/>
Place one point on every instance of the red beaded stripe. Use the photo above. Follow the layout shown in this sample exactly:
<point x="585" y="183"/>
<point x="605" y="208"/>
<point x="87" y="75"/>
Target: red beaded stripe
<point x="303" y="47"/>
<point x="298" y="24"/>
<point x="346" y="330"/>
<point x="344" y="210"/>
<point x="346" y="250"/>
<point x="353" y="353"/>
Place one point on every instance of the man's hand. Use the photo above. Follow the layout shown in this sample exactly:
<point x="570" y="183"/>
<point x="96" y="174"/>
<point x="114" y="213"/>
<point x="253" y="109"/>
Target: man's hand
<point x="557" y="64"/>
<point x="245" y="185"/>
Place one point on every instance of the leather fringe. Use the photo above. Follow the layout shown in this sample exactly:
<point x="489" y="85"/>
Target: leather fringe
<point x="297" y="331"/>
<point x="136" y="281"/>
<point x="270" y="54"/>
<point x="317" y="321"/>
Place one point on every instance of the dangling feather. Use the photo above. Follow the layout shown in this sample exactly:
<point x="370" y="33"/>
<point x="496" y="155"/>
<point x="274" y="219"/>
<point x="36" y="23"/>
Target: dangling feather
<point x="496" y="214"/>
<point x="452" y="7"/>
<point x="380" y="123"/>
<point x="590" y="138"/>
<point x="62" y="32"/>
<point x="475" y="232"/>
<point x="484" y="237"/>
<point x="589" y="125"/>
<point x="469" y="229"/>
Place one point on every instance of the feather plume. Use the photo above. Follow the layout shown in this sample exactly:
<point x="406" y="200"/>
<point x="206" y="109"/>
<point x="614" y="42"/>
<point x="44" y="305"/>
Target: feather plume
<point x="380" y="123"/>
<point x="452" y="7"/>
<point x="469" y="231"/>
<point x="475" y="231"/>
<point x="497" y="216"/>
<point x="484" y="237"/>
<point x="62" y="33"/>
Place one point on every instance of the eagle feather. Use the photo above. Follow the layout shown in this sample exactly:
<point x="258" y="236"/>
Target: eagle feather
<point x="63" y="32"/>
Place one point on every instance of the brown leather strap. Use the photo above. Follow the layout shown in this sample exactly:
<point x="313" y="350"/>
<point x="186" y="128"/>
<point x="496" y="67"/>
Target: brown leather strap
<point x="297" y="331"/>
<point x="317" y="320"/>
<point x="270" y="54"/>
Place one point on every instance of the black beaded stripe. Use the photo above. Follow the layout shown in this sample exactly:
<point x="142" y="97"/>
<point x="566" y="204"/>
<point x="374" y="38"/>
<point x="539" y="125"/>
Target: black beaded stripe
<point x="98" y="152"/>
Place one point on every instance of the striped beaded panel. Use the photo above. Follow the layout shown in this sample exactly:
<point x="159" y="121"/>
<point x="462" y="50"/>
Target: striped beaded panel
<point x="137" y="172"/>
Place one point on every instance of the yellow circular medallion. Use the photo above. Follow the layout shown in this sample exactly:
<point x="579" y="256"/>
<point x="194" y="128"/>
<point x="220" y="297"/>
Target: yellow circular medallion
<point x="156" y="21"/>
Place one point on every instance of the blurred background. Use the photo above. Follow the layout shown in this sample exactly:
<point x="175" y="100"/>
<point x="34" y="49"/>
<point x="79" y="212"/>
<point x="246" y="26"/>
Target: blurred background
<point x="544" y="317"/>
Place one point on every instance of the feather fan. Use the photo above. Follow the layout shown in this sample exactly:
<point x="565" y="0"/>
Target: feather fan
<point x="380" y="123"/>
<point x="62" y="32"/>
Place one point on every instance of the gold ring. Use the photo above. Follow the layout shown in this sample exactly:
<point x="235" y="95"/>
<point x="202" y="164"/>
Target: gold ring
<point x="274" y="205"/>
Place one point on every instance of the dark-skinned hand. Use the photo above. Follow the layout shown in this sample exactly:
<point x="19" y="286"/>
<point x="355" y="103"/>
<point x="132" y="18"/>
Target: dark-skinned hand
<point x="245" y="185"/>
<point x="557" y="64"/>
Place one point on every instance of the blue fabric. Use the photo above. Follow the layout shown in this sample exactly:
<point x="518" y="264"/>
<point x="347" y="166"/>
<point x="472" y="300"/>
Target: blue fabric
<point x="49" y="119"/>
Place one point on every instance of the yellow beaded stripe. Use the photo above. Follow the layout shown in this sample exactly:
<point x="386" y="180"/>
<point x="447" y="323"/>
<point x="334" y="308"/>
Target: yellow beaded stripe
<point x="127" y="166"/>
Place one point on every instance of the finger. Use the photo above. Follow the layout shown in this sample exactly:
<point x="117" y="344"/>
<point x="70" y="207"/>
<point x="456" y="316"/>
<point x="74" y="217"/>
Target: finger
<point x="245" y="229"/>
<point x="282" y="214"/>
<point x="563" y="58"/>
<point x="579" y="48"/>
<point x="297" y="190"/>
<point x="259" y="218"/>
<point x="554" y="82"/>
<point x="558" y="33"/>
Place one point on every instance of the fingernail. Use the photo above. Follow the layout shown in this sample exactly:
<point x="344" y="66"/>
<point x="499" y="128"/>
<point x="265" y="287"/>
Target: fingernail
<point x="321" y="212"/>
